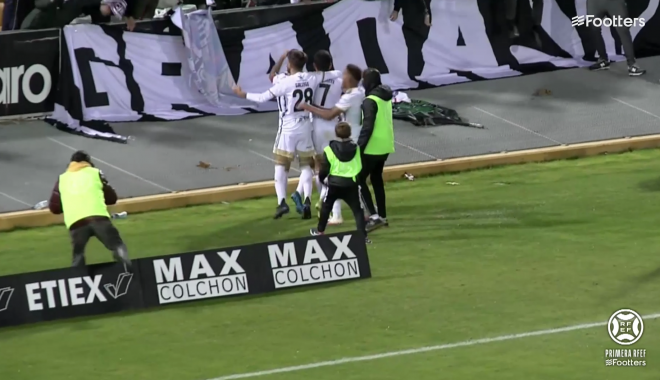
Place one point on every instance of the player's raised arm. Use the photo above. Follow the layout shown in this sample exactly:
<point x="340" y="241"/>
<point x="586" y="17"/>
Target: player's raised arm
<point x="278" y="66"/>
<point x="273" y="92"/>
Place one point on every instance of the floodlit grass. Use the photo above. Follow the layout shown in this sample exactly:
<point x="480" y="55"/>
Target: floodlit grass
<point x="507" y="250"/>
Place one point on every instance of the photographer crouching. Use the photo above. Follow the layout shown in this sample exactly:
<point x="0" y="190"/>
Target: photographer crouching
<point x="82" y="194"/>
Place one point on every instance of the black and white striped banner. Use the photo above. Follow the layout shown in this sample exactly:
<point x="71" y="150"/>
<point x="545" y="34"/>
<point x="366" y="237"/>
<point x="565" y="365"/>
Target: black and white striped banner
<point x="121" y="76"/>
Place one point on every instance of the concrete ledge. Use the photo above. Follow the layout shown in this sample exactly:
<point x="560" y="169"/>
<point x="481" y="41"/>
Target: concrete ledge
<point x="27" y="219"/>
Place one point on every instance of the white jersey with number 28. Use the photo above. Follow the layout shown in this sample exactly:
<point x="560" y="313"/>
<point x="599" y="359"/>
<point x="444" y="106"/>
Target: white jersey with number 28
<point x="292" y="90"/>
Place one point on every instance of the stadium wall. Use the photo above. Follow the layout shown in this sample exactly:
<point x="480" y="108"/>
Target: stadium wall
<point x="42" y="218"/>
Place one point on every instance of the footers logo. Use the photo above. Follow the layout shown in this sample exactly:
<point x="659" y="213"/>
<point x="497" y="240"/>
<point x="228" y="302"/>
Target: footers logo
<point x="614" y="21"/>
<point x="317" y="266"/>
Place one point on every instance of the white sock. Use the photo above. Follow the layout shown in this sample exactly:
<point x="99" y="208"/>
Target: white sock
<point x="374" y="217"/>
<point x="306" y="175"/>
<point x="324" y="192"/>
<point x="336" y="210"/>
<point x="281" y="180"/>
<point x="299" y="189"/>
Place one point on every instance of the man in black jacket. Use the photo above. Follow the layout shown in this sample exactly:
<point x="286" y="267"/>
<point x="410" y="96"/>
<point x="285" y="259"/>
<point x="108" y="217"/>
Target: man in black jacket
<point x="376" y="142"/>
<point x="416" y="28"/>
<point x="339" y="169"/>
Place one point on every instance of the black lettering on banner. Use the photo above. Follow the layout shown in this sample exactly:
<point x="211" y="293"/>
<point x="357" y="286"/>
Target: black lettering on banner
<point x="232" y="44"/>
<point x="180" y="295"/>
<point x="343" y="270"/>
<point x="162" y="295"/>
<point x="171" y="69"/>
<point x="277" y="278"/>
<point x="271" y="64"/>
<point x="467" y="74"/>
<point x="373" y="57"/>
<point x="198" y="289"/>
<point x="460" y="41"/>
<point x="326" y="88"/>
<point x="92" y="98"/>
<point x="215" y="286"/>
<point x="307" y="96"/>
<point x="292" y="276"/>
<point x="85" y="56"/>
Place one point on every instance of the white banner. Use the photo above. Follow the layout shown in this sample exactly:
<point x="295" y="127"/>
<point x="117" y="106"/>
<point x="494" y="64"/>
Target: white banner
<point x="122" y="76"/>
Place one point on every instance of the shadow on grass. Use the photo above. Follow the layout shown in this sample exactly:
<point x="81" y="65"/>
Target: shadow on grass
<point x="85" y="323"/>
<point x="650" y="185"/>
<point x="635" y="283"/>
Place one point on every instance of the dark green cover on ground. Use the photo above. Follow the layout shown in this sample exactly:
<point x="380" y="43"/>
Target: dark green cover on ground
<point x="422" y="113"/>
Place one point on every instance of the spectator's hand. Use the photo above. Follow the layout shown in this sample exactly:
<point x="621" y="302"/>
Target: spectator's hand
<point x="427" y="20"/>
<point x="394" y="16"/>
<point x="130" y="24"/>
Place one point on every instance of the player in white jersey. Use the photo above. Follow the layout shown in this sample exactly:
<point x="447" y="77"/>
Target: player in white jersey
<point x="350" y="106"/>
<point x="323" y="131"/>
<point x="294" y="137"/>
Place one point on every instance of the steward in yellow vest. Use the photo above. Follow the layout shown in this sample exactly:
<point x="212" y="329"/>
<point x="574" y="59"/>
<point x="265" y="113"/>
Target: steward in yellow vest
<point x="339" y="169"/>
<point x="377" y="142"/>
<point x="81" y="194"/>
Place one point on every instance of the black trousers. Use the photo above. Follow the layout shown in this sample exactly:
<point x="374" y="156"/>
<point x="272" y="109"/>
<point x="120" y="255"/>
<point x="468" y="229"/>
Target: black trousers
<point x="372" y="167"/>
<point x="511" y="7"/>
<point x="602" y="8"/>
<point x="103" y="229"/>
<point x="415" y="33"/>
<point x="350" y="195"/>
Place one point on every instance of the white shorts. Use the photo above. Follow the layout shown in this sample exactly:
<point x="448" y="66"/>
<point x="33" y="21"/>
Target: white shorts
<point x="292" y="144"/>
<point x="322" y="135"/>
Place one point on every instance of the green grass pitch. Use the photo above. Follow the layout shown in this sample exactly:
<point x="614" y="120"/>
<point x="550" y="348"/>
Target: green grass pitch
<point x="505" y="251"/>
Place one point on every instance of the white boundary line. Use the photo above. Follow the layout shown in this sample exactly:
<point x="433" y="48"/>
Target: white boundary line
<point x="518" y="125"/>
<point x="113" y="166"/>
<point x="16" y="199"/>
<point x="637" y="108"/>
<point x="416" y="150"/>
<point x="419" y="350"/>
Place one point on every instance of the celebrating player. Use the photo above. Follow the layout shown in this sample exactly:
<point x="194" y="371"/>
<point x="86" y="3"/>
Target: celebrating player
<point x="294" y="137"/>
<point x="327" y="94"/>
<point x="349" y="104"/>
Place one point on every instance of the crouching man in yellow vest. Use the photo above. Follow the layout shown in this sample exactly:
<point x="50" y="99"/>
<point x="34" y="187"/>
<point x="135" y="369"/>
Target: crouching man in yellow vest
<point x="81" y="194"/>
<point x="339" y="169"/>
